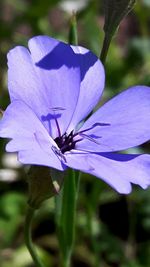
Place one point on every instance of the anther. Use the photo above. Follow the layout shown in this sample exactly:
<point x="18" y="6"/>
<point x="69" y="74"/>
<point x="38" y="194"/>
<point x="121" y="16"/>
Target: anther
<point x="92" y="127"/>
<point x="88" y="137"/>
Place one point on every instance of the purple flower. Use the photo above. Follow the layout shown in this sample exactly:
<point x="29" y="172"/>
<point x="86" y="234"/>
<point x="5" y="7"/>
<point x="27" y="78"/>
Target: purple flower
<point x="53" y="87"/>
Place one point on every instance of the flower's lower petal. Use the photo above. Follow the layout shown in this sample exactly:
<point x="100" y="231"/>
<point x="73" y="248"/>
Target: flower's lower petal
<point x="39" y="157"/>
<point x="78" y="160"/>
<point x="117" y="170"/>
<point x="21" y="125"/>
<point x="92" y="84"/>
<point x="124" y="122"/>
<point x="57" y="68"/>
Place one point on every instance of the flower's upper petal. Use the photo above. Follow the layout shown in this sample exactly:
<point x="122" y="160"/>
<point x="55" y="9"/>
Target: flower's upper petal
<point x="57" y="66"/>
<point x="121" y="123"/>
<point x="91" y="87"/>
<point x="23" y="82"/>
<point x="117" y="170"/>
<point x="20" y="124"/>
<point x="48" y="80"/>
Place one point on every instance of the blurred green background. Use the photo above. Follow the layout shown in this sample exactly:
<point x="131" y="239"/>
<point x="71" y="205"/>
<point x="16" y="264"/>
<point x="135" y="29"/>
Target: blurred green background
<point x="112" y="230"/>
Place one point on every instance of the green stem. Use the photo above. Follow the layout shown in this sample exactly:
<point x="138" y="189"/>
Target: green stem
<point x="105" y="48"/>
<point x="73" y="35"/>
<point x="28" y="237"/>
<point x="65" y="216"/>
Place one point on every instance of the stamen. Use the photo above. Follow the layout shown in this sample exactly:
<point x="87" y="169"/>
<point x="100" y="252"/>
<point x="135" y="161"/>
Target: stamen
<point x="57" y="125"/>
<point x="58" y="153"/>
<point x="67" y="142"/>
<point x="58" y="129"/>
<point x="93" y="126"/>
<point x="90" y="138"/>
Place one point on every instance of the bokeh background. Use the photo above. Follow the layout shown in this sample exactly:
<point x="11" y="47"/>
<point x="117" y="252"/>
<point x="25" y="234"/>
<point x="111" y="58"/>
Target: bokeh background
<point x="112" y="230"/>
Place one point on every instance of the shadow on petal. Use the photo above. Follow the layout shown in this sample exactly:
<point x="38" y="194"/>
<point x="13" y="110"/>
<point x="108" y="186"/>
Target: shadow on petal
<point x="61" y="55"/>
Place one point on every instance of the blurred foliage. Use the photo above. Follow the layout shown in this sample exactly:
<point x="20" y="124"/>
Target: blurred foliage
<point x="112" y="230"/>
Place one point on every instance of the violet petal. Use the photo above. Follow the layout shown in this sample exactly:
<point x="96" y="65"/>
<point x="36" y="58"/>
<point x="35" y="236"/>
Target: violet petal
<point x="117" y="170"/>
<point x="129" y="117"/>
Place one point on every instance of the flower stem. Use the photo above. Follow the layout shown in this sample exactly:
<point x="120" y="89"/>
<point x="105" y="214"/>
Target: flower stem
<point x="28" y="237"/>
<point x="65" y="216"/>
<point x="73" y="35"/>
<point x="105" y="48"/>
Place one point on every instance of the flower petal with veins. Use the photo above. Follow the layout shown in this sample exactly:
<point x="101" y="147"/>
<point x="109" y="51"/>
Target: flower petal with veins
<point x="53" y="87"/>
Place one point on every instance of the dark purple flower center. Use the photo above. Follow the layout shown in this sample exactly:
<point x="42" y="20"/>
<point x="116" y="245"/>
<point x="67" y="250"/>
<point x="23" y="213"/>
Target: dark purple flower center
<point x="66" y="142"/>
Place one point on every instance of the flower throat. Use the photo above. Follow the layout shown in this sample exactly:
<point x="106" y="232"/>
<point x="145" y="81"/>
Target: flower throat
<point x="66" y="142"/>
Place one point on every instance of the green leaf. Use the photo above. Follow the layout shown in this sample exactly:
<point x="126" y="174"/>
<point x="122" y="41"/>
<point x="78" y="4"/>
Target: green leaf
<point x="43" y="183"/>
